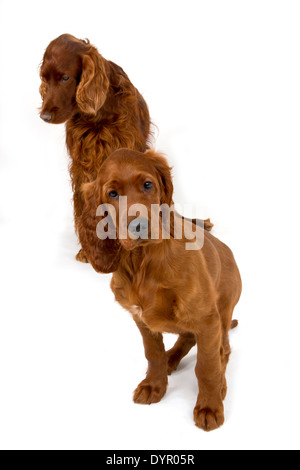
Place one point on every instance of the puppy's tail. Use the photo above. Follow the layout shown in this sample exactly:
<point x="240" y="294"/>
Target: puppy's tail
<point x="234" y="324"/>
<point x="207" y="224"/>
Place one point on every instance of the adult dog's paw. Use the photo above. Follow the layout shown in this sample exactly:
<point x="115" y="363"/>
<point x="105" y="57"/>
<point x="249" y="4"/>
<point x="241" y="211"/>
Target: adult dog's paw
<point x="81" y="257"/>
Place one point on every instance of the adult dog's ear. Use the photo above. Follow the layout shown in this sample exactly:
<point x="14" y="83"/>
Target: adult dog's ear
<point x="94" y="83"/>
<point x="164" y="176"/>
<point x="104" y="255"/>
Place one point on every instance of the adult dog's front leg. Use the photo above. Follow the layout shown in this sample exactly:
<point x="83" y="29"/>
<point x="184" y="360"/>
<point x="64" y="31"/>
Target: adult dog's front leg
<point x="210" y="372"/>
<point x="78" y="206"/>
<point x="154" y="386"/>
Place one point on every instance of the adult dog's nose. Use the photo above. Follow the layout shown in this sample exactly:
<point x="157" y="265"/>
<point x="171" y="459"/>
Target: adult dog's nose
<point x="139" y="228"/>
<point x="46" y="117"/>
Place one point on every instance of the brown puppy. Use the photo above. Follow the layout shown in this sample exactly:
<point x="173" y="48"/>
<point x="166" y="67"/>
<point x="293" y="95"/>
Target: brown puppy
<point x="166" y="287"/>
<point x="102" y="108"/>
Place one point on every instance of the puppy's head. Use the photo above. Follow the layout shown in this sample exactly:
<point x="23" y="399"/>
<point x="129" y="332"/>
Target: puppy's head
<point x="131" y="187"/>
<point x="73" y="79"/>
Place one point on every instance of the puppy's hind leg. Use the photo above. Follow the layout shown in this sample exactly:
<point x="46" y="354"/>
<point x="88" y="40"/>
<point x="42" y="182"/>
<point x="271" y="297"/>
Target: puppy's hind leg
<point x="181" y="348"/>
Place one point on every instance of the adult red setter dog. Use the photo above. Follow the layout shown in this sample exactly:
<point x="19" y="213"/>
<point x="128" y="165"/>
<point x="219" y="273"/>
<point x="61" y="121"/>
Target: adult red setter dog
<point x="103" y="111"/>
<point x="164" y="286"/>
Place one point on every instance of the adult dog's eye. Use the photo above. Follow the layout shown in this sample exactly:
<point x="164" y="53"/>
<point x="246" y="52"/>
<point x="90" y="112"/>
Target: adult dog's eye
<point x="65" y="78"/>
<point x="148" y="185"/>
<point x="113" y="195"/>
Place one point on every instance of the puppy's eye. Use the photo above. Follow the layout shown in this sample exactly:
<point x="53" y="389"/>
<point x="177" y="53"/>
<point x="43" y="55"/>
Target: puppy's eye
<point x="113" y="195"/>
<point x="65" y="78"/>
<point x="147" y="185"/>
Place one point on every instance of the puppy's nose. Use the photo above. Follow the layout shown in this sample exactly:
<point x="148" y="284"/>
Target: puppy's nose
<point x="46" y="117"/>
<point x="139" y="228"/>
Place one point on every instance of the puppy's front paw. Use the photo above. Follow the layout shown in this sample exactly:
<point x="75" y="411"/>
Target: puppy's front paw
<point x="208" y="419"/>
<point x="148" y="392"/>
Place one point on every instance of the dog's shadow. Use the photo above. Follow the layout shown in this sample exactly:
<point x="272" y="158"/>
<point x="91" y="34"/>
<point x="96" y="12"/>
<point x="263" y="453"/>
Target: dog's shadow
<point x="183" y="381"/>
<point x="183" y="385"/>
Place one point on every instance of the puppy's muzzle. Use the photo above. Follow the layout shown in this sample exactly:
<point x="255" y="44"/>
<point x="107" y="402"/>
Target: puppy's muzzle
<point x="139" y="228"/>
<point x="47" y="117"/>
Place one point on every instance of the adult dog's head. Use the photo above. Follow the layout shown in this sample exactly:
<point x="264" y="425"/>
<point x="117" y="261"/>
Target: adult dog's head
<point x="129" y="186"/>
<point x="74" y="79"/>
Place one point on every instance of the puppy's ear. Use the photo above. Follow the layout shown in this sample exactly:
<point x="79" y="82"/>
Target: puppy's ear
<point x="104" y="255"/>
<point x="43" y="89"/>
<point x="94" y="83"/>
<point x="43" y="85"/>
<point x="164" y="174"/>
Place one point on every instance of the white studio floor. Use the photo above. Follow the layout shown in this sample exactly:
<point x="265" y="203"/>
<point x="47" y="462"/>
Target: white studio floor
<point x="222" y="84"/>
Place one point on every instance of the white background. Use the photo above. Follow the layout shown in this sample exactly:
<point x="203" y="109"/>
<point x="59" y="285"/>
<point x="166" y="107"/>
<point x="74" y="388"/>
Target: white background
<point x="222" y="81"/>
